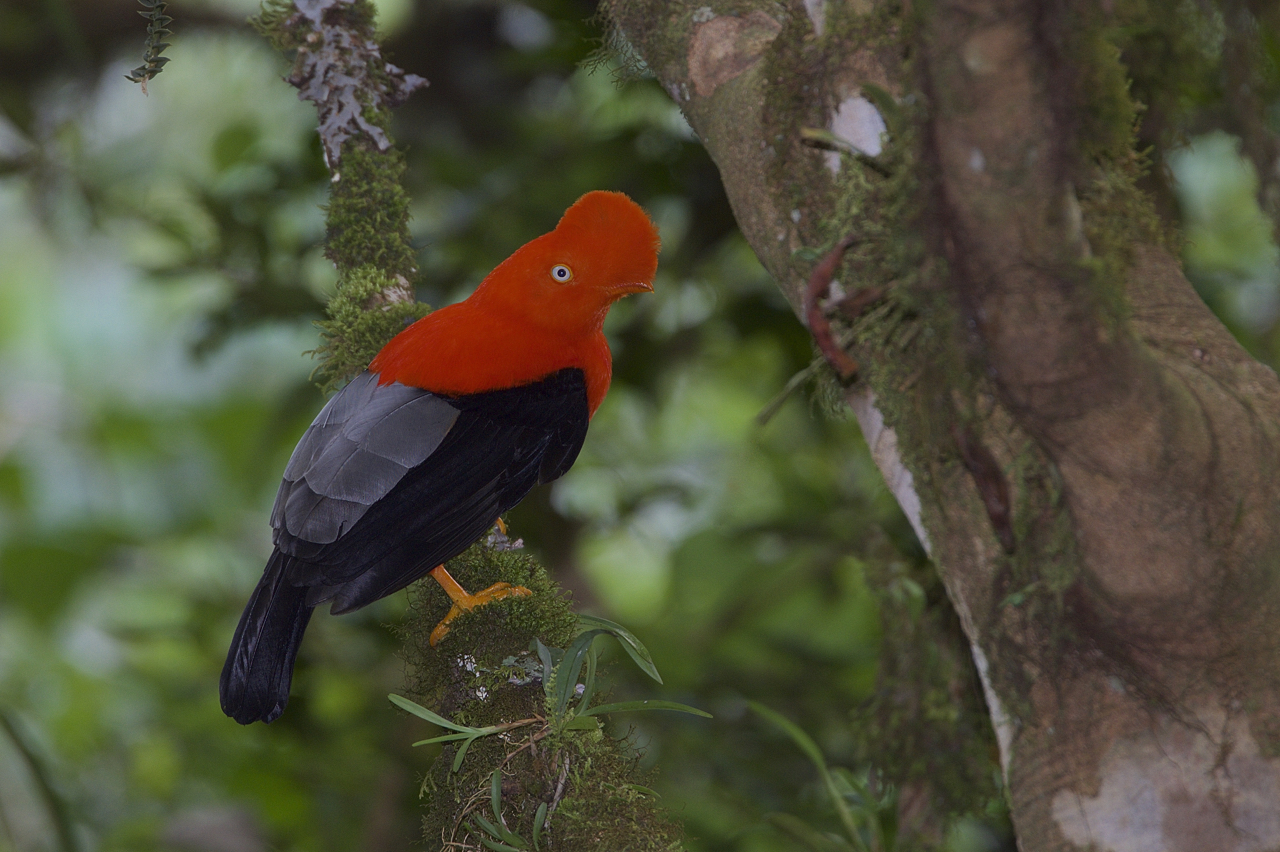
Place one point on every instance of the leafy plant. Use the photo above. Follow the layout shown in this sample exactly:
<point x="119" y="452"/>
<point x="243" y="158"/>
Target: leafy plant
<point x="568" y="679"/>
<point x="561" y="673"/>
<point x="157" y="29"/>
<point x="867" y="816"/>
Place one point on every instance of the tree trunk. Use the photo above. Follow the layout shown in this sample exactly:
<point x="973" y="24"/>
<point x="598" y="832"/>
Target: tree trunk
<point x="1085" y="451"/>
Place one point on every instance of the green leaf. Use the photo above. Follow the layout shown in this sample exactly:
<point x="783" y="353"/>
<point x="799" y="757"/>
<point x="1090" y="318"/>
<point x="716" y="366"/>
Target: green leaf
<point x="538" y="819"/>
<point x="548" y="668"/>
<point x="811" y="750"/>
<point x="501" y="832"/>
<point x="445" y="738"/>
<point x="435" y="718"/>
<point x="462" y="752"/>
<point x="649" y="704"/>
<point x="495" y="794"/>
<point x="801" y="832"/>
<point x="589" y="683"/>
<point x="583" y="722"/>
<point x="498" y="845"/>
<point x="794" y="731"/>
<point x="644" y="791"/>
<point x="886" y="103"/>
<point x="633" y="646"/>
<point x="570" y="665"/>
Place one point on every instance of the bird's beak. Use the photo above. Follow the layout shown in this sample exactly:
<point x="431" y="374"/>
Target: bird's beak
<point x="617" y="291"/>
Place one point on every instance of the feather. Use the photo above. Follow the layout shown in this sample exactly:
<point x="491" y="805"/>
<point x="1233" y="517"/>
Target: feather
<point x="353" y="523"/>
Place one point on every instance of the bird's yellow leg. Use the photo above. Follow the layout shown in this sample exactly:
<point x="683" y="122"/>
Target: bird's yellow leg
<point x="463" y="601"/>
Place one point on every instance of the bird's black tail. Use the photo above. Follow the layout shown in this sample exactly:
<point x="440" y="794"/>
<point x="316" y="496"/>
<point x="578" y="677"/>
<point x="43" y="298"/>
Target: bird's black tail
<point x="255" y="678"/>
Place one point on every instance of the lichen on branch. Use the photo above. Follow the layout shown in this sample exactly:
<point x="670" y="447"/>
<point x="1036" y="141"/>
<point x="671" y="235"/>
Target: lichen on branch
<point x="338" y="65"/>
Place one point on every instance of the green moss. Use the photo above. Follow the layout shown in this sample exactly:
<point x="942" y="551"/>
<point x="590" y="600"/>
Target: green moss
<point x="358" y="326"/>
<point x="926" y="725"/>
<point x="593" y="781"/>
<point x="368" y="213"/>
<point x="490" y="634"/>
<point x="272" y="21"/>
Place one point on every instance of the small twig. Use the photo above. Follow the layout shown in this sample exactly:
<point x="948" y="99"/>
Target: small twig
<point x="555" y="800"/>
<point x="852" y="307"/>
<point x="58" y="811"/>
<point x="539" y="734"/>
<point x="819" y="285"/>
<point x="793" y="384"/>
<point x="816" y="137"/>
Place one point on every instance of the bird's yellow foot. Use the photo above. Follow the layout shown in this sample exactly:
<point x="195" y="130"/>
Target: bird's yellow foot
<point x="463" y="601"/>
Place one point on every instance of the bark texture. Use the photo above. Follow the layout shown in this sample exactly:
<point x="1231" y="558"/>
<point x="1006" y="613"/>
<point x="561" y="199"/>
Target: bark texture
<point x="1038" y="336"/>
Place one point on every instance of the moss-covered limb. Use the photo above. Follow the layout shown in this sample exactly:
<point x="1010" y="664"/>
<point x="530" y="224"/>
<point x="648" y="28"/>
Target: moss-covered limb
<point x="361" y="319"/>
<point x="1017" y="256"/>
<point x="587" y="785"/>
<point x="337" y="64"/>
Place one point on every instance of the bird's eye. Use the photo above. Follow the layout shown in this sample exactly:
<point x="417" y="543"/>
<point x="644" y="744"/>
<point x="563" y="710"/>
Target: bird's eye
<point x="561" y="273"/>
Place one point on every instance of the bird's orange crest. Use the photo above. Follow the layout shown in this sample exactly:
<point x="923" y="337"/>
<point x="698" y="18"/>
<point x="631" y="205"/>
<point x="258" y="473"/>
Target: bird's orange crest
<point x="541" y="310"/>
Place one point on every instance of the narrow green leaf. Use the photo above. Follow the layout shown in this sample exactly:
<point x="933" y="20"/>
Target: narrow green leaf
<point x="570" y="665"/>
<point x="462" y="752"/>
<point x="548" y="668"/>
<point x="445" y="738"/>
<point x="644" y="791"/>
<point x="501" y="832"/>
<point x="588" y="683"/>
<point x="648" y="704"/>
<point x="498" y="845"/>
<point x="435" y="718"/>
<point x="538" y="819"/>
<point x="800" y="831"/>
<point x="583" y="722"/>
<point x="633" y="646"/>
<point x="792" y="730"/>
<point x="886" y="103"/>
<point x="811" y="750"/>
<point x="495" y="794"/>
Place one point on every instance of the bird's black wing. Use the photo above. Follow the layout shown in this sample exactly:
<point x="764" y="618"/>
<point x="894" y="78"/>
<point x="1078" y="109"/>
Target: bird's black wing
<point x="397" y="480"/>
<point x="361" y="444"/>
<point x="388" y="482"/>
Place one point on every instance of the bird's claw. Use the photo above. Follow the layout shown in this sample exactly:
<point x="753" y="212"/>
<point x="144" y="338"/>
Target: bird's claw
<point x="466" y="603"/>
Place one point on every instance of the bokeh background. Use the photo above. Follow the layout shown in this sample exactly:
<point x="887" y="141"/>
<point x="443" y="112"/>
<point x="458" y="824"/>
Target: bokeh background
<point x="160" y="271"/>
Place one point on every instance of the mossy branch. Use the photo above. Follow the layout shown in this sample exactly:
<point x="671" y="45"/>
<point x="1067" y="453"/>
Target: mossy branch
<point x="338" y="65"/>
<point x="562" y="780"/>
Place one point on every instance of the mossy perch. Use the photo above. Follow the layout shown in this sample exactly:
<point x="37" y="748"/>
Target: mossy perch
<point x="588" y="786"/>
<point x="338" y="65"/>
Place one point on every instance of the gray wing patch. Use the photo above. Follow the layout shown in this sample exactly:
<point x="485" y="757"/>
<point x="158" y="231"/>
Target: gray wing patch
<point x="359" y="447"/>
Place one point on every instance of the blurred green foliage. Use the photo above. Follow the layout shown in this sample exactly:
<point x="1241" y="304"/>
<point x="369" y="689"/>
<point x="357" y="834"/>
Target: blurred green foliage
<point x="160" y="269"/>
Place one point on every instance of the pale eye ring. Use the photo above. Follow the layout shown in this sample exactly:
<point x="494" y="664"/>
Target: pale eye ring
<point x="561" y="273"/>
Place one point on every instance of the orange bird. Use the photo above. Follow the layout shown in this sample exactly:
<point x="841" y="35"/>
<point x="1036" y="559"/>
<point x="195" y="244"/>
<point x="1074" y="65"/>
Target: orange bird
<point x="456" y="419"/>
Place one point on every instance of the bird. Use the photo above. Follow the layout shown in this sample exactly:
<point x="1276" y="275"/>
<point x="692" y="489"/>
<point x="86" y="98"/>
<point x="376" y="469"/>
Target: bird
<point x="455" y="420"/>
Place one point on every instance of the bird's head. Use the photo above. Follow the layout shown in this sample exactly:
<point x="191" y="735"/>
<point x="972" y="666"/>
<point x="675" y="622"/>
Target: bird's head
<point x="605" y="247"/>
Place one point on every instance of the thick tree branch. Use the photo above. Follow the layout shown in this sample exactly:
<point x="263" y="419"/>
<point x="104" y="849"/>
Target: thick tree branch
<point x="1061" y="340"/>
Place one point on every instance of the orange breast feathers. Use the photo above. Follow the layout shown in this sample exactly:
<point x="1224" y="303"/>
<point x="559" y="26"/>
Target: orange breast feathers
<point x="541" y="310"/>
